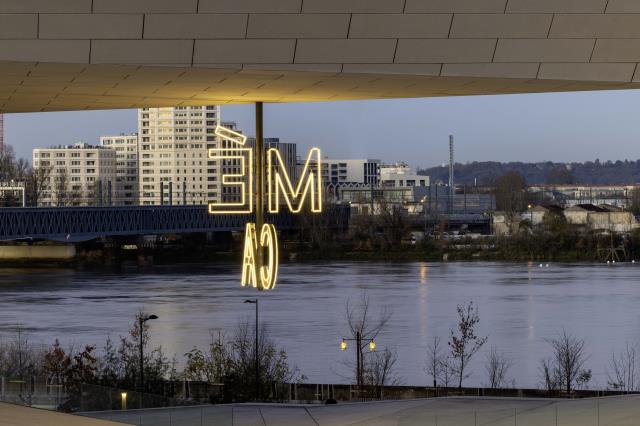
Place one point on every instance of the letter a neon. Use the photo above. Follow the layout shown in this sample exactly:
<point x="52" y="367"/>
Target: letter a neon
<point x="249" y="257"/>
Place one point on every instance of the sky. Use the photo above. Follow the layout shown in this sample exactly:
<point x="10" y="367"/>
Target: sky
<point x="530" y="128"/>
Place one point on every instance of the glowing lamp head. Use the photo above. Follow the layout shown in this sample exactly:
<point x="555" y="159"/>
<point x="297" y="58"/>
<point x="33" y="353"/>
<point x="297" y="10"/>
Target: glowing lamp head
<point x="343" y="345"/>
<point x="372" y="346"/>
<point x="530" y="206"/>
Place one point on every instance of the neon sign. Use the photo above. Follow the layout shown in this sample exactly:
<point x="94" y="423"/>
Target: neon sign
<point x="260" y="255"/>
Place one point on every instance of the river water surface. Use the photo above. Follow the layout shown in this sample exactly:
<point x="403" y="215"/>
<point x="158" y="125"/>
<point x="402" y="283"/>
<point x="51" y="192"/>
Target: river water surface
<point x="520" y="305"/>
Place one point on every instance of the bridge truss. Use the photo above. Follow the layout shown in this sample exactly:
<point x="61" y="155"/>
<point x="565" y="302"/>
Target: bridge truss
<point x="76" y="224"/>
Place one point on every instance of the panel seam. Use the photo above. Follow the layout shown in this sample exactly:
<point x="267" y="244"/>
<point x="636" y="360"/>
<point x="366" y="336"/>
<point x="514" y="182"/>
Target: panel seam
<point x="395" y="51"/>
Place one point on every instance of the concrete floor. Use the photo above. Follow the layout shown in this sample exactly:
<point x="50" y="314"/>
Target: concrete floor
<point x="459" y="411"/>
<point x="17" y="415"/>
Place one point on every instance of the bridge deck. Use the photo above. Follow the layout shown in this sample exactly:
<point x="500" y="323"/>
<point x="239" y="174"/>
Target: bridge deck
<point x="86" y="223"/>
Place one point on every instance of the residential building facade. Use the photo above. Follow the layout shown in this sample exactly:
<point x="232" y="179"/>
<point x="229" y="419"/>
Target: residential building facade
<point x="288" y="153"/>
<point x="365" y="171"/>
<point x="77" y="175"/>
<point x="127" y="190"/>
<point x="173" y="155"/>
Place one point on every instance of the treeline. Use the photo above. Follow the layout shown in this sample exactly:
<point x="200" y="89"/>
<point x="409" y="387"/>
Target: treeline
<point x="229" y="360"/>
<point x="590" y="172"/>
<point x="18" y="171"/>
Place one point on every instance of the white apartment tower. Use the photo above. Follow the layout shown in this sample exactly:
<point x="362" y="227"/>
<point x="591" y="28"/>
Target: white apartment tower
<point x="173" y="163"/>
<point x="231" y="193"/>
<point x="127" y="190"/>
<point x="76" y="175"/>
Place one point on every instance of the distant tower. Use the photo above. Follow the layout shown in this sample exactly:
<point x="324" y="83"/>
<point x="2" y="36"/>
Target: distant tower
<point x="451" y="184"/>
<point x="1" y="132"/>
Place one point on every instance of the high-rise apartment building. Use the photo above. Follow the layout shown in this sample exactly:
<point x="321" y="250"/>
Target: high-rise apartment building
<point x="1" y="132"/>
<point x="173" y="164"/>
<point x="126" y="192"/>
<point x="76" y="175"/>
<point x="231" y="193"/>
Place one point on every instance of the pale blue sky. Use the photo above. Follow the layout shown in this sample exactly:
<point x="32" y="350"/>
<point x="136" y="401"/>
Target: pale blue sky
<point x="539" y="127"/>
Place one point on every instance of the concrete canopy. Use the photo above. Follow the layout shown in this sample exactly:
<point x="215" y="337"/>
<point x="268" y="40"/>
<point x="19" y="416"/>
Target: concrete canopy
<point x="103" y="54"/>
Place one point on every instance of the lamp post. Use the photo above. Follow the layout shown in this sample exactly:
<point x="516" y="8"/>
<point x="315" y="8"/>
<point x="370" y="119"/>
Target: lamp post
<point x="143" y="320"/>
<point x="255" y="349"/>
<point x="359" y="356"/>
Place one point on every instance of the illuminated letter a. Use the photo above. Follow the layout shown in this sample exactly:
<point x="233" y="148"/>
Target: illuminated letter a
<point x="249" y="276"/>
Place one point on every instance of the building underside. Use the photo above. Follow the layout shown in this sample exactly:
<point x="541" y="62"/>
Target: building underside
<point x="104" y="54"/>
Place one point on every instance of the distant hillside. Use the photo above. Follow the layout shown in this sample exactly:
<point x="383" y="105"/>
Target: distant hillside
<point x="591" y="172"/>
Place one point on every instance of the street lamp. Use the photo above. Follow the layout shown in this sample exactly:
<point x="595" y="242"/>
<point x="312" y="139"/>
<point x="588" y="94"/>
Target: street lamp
<point x="143" y="320"/>
<point x="255" y="302"/>
<point x="359" y="356"/>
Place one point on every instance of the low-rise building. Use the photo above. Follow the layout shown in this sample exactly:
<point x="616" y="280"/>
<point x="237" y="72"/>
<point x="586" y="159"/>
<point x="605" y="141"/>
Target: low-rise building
<point x="536" y="214"/>
<point x="597" y="218"/>
<point x="365" y="171"/>
<point x="77" y="175"/>
<point x="399" y="175"/>
<point x="572" y="195"/>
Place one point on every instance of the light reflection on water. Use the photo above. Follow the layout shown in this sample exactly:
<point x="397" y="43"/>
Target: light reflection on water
<point x="520" y="305"/>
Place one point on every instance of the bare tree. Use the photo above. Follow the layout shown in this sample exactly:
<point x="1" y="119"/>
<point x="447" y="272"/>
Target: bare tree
<point x="568" y="361"/>
<point x="364" y="327"/>
<point x="36" y="182"/>
<point x="621" y="374"/>
<point x="510" y="191"/>
<point x="61" y="186"/>
<point x="497" y="365"/>
<point x="447" y="372"/>
<point x="435" y="360"/>
<point x="464" y="343"/>
<point x="635" y="200"/>
<point x="439" y="364"/>
<point x="379" y="371"/>
<point x="550" y="375"/>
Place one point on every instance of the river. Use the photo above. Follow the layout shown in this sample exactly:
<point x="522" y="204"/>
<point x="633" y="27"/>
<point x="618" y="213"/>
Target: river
<point x="520" y="305"/>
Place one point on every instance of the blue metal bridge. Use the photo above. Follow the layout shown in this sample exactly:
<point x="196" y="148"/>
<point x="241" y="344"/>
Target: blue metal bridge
<point x="75" y="224"/>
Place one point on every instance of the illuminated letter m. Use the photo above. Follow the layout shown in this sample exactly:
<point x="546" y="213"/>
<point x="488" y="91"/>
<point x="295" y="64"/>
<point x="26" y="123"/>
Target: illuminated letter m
<point x="309" y="185"/>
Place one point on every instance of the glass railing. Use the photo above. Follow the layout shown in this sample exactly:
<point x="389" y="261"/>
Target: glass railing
<point x="218" y="415"/>
<point x="40" y="393"/>
<point x="610" y="411"/>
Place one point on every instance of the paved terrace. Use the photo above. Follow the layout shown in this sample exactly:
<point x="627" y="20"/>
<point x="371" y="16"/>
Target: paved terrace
<point x="16" y="415"/>
<point x="457" y="411"/>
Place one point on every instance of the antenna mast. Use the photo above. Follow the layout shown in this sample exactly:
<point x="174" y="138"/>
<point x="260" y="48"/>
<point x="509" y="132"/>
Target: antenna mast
<point x="451" y="183"/>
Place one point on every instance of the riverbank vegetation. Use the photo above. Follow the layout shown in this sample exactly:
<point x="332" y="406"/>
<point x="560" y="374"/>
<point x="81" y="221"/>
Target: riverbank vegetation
<point x="225" y="370"/>
<point x="388" y="237"/>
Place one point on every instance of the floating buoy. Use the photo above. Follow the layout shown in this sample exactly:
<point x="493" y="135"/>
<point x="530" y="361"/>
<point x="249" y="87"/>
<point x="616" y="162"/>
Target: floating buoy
<point x="541" y="265"/>
<point x="608" y="262"/>
<point x="547" y="265"/>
